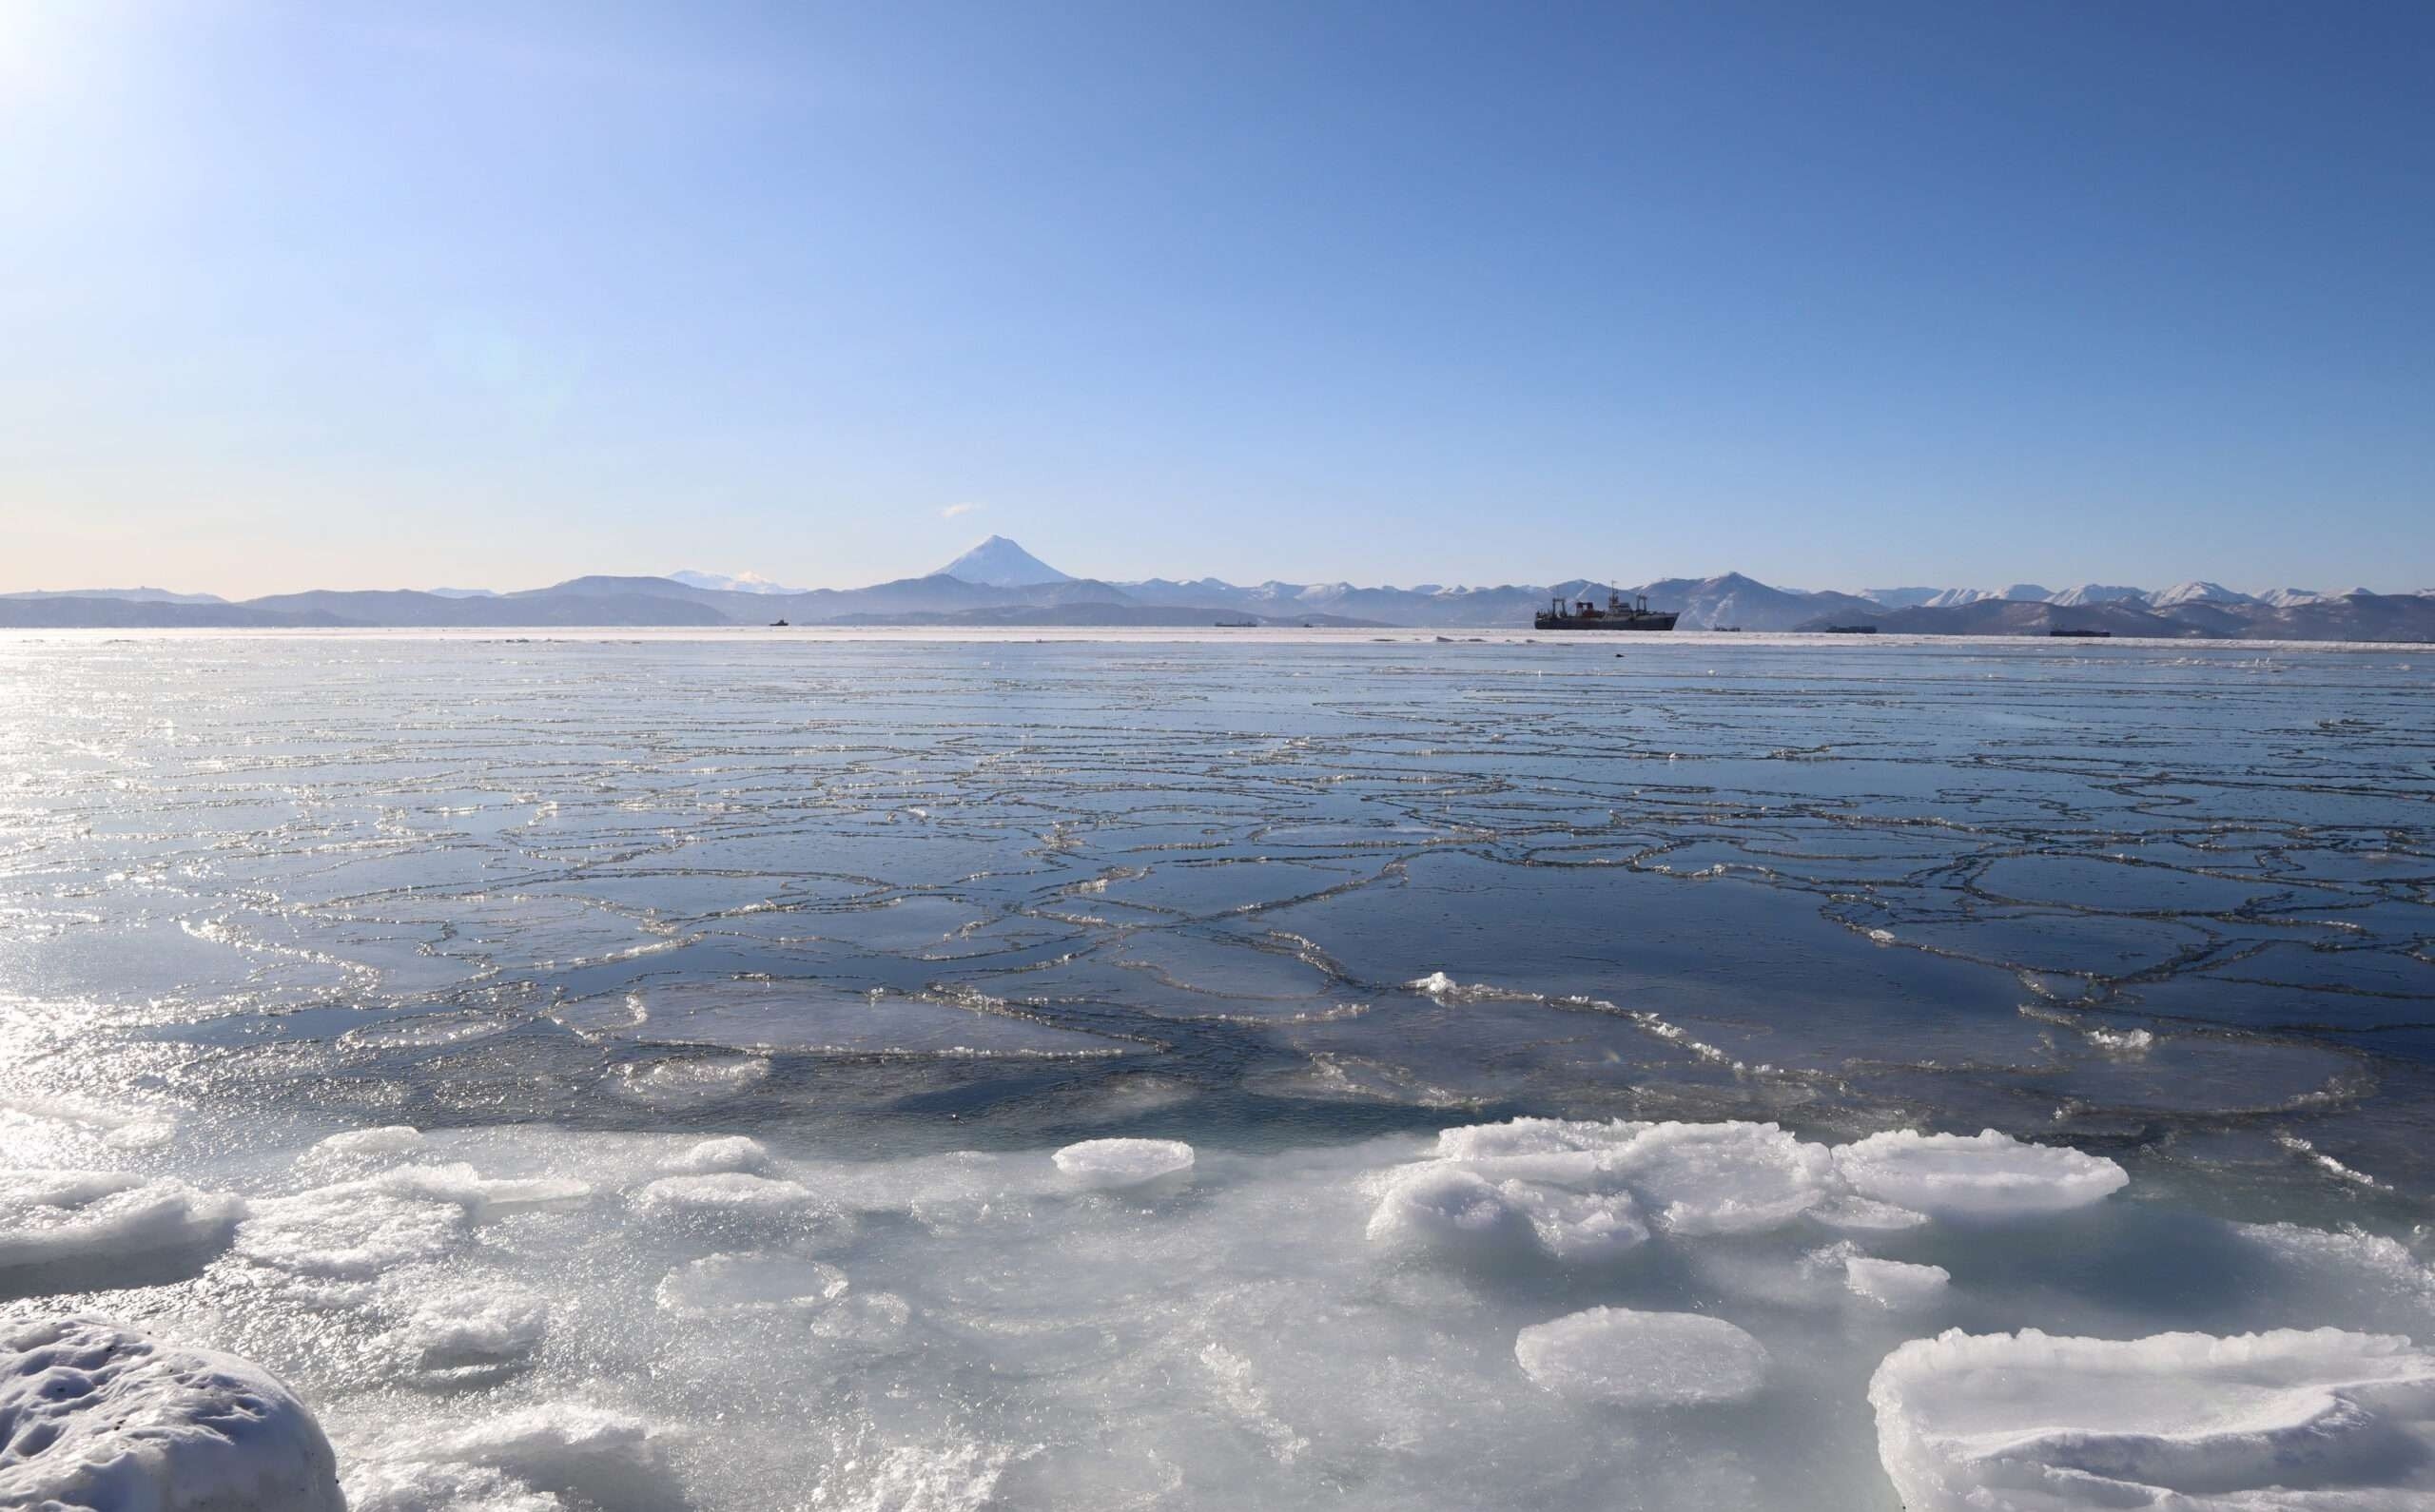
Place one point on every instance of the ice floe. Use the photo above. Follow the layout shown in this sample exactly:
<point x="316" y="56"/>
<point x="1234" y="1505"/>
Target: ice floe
<point x="1896" y="1283"/>
<point x="386" y="1141"/>
<point x="103" y="1219"/>
<point x="2287" y="1419"/>
<point x="545" y="1458"/>
<point x="1123" y="1162"/>
<point x="748" y="1282"/>
<point x="709" y="1156"/>
<point x="720" y="1193"/>
<point x="1987" y="1176"/>
<point x="565" y="1320"/>
<point x="50" y="1120"/>
<point x="1583" y="1190"/>
<point x="474" y="1331"/>
<point x="348" y="1233"/>
<point x="99" y="1418"/>
<point x="1643" y="1359"/>
<point x="1447" y="1206"/>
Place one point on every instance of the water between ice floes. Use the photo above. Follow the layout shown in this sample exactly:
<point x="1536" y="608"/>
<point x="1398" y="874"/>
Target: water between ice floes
<point x="718" y="1076"/>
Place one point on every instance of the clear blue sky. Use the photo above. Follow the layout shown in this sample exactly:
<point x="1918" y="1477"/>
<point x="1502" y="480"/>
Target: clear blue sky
<point x="326" y="294"/>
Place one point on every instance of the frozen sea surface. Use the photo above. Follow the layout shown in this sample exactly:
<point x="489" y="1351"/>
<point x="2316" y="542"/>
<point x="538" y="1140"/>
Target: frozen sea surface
<point x="734" y="1071"/>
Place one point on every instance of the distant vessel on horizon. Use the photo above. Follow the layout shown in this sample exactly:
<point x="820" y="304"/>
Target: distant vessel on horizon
<point x="1585" y="614"/>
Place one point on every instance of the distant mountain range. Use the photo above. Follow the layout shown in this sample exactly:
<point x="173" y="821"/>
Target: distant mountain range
<point x="1000" y="583"/>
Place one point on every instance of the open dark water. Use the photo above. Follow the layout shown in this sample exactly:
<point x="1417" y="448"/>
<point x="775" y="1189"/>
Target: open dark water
<point x="912" y="913"/>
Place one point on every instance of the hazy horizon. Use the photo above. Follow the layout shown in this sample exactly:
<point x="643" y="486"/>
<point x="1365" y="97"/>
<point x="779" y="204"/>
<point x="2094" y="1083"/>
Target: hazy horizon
<point x="344" y="297"/>
<point x="1440" y="580"/>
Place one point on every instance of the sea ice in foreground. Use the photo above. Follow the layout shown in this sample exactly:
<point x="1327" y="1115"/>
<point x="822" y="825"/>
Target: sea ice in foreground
<point x="1615" y="1354"/>
<point x="2289" y="1420"/>
<point x="95" y="1416"/>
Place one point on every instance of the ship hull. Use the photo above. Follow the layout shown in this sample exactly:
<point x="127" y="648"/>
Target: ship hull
<point x="1606" y="622"/>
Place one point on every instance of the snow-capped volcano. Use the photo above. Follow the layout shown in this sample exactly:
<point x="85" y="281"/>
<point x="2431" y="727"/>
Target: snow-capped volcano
<point x="999" y="563"/>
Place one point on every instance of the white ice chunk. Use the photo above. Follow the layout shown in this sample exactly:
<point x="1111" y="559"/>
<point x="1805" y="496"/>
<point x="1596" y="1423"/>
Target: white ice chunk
<point x="506" y="1462"/>
<point x="2285" y="1420"/>
<point x="415" y="1485"/>
<point x="722" y="1192"/>
<point x="389" y="1141"/>
<point x="1445" y="1206"/>
<point x="348" y="1233"/>
<point x="98" y="1418"/>
<point x="2122" y="1042"/>
<point x="40" y="1120"/>
<point x="1979" y="1176"/>
<point x="1532" y="1136"/>
<point x="1579" y="1188"/>
<point x="1862" y="1214"/>
<point x="1581" y="1226"/>
<point x="734" y="1153"/>
<point x="337" y="1236"/>
<point x="1896" y="1283"/>
<point x="1724" y="1177"/>
<point x="98" y="1218"/>
<point x="1446" y="989"/>
<point x="484" y="1198"/>
<point x="1448" y="1206"/>
<point x="475" y="1328"/>
<point x="1123" y="1162"/>
<point x="748" y="1282"/>
<point x="1615" y="1354"/>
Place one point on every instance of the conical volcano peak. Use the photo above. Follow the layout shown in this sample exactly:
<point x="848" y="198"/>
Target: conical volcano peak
<point x="1000" y="563"/>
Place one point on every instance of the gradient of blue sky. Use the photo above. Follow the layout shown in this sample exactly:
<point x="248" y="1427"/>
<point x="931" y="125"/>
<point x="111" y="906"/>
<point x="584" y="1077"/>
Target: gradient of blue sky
<point x="364" y="295"/>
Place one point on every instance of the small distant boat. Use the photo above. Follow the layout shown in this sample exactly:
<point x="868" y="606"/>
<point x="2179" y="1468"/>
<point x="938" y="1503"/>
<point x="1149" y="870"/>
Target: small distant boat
<point x="1851" y="630"/>
<point x="1586" y="614"/>
<point x="778" y="624"/>
<point x="1237" y="624"/>
<point x="2083" y="634"/>
<point x="1727" y="629"/>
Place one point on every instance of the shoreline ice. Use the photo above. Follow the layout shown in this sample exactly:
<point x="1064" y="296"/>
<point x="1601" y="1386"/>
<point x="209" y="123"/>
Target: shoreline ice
<point x="539" y="1319"/>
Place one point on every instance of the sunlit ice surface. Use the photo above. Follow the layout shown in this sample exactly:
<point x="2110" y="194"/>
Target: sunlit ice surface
<point x="746" y="1071"/>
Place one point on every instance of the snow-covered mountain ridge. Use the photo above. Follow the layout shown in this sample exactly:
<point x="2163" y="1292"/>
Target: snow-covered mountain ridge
<point x="998" y="582"/>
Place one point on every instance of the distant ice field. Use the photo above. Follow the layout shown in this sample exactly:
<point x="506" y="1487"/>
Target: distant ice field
<point x="1241" y="1069"/>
